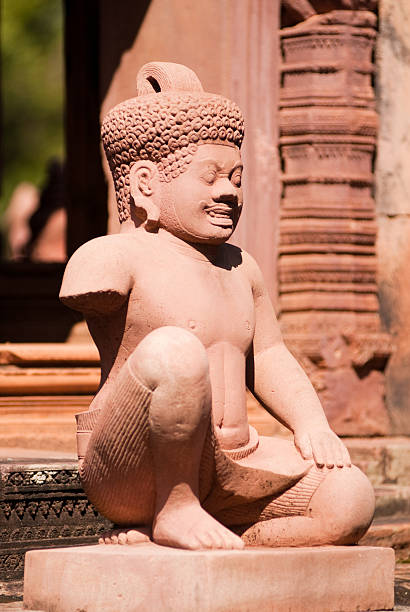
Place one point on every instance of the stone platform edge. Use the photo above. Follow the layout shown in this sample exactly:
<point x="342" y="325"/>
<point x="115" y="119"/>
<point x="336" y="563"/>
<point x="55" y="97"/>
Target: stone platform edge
<point x="150" y="577"/>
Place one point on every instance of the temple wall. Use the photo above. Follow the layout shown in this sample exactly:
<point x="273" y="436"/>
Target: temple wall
<point x="393" y="198"/>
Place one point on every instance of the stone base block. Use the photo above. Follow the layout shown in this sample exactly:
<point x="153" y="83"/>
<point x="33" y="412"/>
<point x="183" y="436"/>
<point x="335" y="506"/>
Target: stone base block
<point x="147" y="577"/>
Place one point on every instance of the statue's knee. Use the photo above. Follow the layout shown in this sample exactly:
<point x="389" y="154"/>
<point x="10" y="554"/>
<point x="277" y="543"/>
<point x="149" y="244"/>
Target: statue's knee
<point x="361" y="497"/>
<point x="170" y="354"/>
<point x="345" y="501"/>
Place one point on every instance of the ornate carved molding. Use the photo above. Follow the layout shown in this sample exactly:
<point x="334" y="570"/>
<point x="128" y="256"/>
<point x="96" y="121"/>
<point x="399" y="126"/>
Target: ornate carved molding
<point x="329" y="309"/>
<point x="36" y="477"/>
<point x="328" y="136"/>
<point x="42" y="504"/>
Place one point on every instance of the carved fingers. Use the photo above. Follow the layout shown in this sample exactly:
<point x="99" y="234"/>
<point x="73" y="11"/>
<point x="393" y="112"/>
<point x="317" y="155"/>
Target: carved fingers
<point x="324" y="447"/>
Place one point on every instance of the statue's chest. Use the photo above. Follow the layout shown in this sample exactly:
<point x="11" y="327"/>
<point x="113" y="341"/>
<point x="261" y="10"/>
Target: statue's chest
<point x="214" y="303"/>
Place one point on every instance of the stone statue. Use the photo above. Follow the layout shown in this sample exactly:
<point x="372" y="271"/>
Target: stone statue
<point x="183" y="324"/>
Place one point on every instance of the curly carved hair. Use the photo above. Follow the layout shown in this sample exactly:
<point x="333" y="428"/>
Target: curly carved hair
<point x="165" y="128"/>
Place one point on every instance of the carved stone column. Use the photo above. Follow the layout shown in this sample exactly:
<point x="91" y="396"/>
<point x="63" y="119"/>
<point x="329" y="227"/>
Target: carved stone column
<point x="329" y="308"/>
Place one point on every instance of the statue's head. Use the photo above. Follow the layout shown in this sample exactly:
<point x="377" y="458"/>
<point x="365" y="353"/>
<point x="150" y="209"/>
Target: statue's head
<point x="174" y="155"/>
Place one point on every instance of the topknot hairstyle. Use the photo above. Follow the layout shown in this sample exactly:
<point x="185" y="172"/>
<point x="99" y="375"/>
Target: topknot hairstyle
<point x="165" y="123"/>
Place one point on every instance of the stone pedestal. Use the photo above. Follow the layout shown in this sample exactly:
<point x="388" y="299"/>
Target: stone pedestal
<point x="151" y="577"/>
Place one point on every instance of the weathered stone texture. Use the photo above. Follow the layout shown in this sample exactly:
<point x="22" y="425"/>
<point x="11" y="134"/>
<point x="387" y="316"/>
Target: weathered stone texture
<point x="254" y="580"/>
<point x="393" y="199"/>
<point x="42" y="505"/>
<point x="393" y="93"/>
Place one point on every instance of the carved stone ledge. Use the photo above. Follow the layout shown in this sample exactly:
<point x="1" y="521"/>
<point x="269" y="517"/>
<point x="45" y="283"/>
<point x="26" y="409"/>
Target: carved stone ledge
<point x="37" y="381"/>
<point x="328" y="61"/>
<point x="48" y="368"/>
<point x="314" y="121"/>
<point x="42" y="505"/>
<point x="354" y="18"/>
<point x="45" y="384"/>
<point x="48" y="353"/>
<point x="338" y="209"/>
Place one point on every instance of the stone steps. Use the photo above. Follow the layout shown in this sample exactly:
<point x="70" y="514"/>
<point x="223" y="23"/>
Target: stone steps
<point x="392" y="501"/>
<point x="394" y="533"/>
<point x="386" y="461"/>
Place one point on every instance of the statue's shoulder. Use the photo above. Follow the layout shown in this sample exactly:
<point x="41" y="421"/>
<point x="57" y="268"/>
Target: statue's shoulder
<point x="102" y="247"/>
<point x="111" y="251"/>
<point x="98" y="268"/>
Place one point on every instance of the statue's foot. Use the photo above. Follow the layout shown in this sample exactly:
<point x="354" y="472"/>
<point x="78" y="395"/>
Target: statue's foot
<point x="132" y="535"/>
<point x="190" y="526"/>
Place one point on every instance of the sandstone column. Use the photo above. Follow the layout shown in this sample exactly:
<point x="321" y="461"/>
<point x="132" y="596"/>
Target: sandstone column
<point x="329" y="308"/>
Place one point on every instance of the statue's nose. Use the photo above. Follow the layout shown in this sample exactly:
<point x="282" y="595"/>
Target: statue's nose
<point x="224" y="191"/>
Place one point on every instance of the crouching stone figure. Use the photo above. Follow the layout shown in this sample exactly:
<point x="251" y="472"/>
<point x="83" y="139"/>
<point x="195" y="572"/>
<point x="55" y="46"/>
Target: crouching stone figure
<point x="183" y="323"/>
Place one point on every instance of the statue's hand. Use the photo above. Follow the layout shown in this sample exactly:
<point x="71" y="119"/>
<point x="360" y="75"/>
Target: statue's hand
<point x="324" y="447"/>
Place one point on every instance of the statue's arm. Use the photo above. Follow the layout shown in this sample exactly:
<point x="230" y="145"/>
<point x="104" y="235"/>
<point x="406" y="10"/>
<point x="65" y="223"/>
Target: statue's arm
<point x="281" y="385"/>
<point x="96" y="279"/>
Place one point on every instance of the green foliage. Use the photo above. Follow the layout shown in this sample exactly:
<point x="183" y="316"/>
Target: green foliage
<point x="32" y="90"/>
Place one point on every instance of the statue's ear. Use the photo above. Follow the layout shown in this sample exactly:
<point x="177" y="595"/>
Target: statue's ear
<point x="143" y="184"/>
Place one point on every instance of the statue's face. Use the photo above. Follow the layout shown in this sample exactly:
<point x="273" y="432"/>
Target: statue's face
<point x="203" y="204"/>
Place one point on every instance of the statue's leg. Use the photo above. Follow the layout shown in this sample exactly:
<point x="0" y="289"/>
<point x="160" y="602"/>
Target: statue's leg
<point x="339" y="512"/>
<point x="150" y="472"/>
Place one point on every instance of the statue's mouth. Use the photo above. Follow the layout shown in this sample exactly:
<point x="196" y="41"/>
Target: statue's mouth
<point x="220" y="214"/>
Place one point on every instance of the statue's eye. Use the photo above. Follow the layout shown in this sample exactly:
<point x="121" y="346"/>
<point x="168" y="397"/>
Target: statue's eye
<point x="236" y="178"/>
<point x="209" y="177"/>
